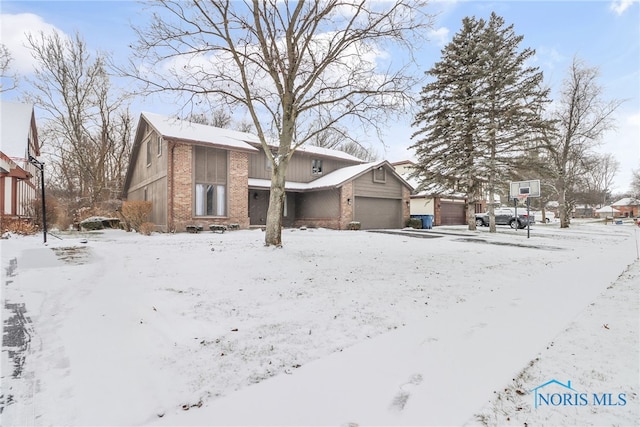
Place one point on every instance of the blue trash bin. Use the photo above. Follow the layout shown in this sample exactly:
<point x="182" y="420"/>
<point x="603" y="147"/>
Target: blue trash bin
<point x="426" y="220"/>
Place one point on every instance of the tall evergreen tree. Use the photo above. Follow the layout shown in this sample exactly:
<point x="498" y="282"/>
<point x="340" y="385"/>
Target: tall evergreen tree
<point x="513" y="102"/>
<point x="449" y="119"/>
<point x="482" y="113"/>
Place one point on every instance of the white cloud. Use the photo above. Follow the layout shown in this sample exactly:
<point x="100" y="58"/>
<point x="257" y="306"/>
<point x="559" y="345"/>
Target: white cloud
<point x="619" y="6"/>
<point x="548" y="58"/>
<point x="13" y="33"/>
<point x="440" y="36"/>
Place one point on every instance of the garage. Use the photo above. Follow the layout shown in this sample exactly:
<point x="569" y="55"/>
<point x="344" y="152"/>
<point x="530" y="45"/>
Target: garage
<point x="374" y="212"/>
<point x="452" y="213"/>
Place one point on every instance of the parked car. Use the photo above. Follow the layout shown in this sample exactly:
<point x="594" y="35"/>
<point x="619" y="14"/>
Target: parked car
<point x="537" y="216"/>
<point x="506" y="216"/>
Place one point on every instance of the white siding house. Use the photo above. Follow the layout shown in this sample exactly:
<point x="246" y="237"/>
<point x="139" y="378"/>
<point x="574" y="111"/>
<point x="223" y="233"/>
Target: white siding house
<point x="18" y="141"/>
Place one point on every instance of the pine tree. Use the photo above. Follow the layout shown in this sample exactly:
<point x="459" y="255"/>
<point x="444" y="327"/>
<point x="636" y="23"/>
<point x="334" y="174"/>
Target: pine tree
<point x="448" y="120"/>
<point x="514" y="99"/>
<point x="482" y="113"/>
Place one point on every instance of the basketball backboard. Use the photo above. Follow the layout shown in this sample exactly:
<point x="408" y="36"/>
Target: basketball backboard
<point x="520" y="188"/>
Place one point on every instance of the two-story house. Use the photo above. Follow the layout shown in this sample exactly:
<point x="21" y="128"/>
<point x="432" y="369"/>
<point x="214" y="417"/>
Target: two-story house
<point x="18" y="177"/>
<point x="202" y="175"/>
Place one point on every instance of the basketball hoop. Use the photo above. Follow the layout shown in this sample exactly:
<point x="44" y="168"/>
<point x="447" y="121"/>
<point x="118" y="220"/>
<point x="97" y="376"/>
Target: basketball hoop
<point x="522" y="199"/>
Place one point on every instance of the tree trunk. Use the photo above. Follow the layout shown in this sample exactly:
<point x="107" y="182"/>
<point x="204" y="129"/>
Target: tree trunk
<point x="273" y="234"/>
<point x="471" y="213"/>
<point x="562" y="204"/>
<point x="492" y="212"/>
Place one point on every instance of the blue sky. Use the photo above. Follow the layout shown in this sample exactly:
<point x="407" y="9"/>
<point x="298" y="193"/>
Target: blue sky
<point x="606" y="34"/>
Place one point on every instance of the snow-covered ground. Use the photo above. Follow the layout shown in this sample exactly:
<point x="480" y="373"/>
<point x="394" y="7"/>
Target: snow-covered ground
<point x="335" y="328"/>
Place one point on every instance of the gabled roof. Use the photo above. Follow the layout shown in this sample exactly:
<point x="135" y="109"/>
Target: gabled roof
<point x="328" y="152"/>
<point x="319" y="151"/>
<point x="173" y="128"/>
<point x="403" y="163"/>
<point x="16" y="121"/>
<point x="334" y="179"/>
<point x="428" y="190"/>
<point x="627" y="201"/>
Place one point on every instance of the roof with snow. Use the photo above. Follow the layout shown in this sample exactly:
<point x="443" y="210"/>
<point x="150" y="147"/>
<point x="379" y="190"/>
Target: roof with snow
<point x="15" y="125"/>
<point x="328" y="152"/>
<point x="172" y="127"/>
<point x="428" y="190"/>
<point x="627" y="201"/>
<point x="330" y="180"/>
<point x="184" y="130"/>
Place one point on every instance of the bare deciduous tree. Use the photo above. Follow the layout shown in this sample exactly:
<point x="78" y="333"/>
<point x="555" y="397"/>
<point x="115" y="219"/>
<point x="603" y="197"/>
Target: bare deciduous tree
<point x="599" y="171"/>
<point x="87" y="128"/>
<point x="582" y="118"/>
<point x="285" y="63"/>
<point x="5" y="70"/>
<point x="635" y="183"/>
<point x="218" y="118"/>
<point x="338" y="139"/>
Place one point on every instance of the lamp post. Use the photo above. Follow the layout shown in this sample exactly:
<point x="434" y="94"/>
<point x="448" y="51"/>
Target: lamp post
<point x="40" y="166"/>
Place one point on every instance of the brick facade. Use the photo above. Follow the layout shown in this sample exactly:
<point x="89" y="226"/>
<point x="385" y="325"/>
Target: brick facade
<point x="406" y="205"/>
<point x="182" y="191"/>
<point x="346" y="205"/>
<point x="238" y="185"/>
<point x="181" y="174"/>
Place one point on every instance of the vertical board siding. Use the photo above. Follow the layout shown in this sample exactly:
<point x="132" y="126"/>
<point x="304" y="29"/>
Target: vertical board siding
<point x="151" y="177"/>
<point x="143" y="174"/>
<point x="366" y="187"/>
<point x="299" y="169"/>
<point x="318" y="204"/>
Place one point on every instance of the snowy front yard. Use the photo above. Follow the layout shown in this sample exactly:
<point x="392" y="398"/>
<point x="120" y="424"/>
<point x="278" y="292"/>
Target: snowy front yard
<point x="335" y="328"/>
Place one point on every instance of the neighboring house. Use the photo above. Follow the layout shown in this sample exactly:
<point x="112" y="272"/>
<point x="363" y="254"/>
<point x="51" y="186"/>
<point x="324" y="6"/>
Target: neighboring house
<point x="18" y="177"/>
<point x="446" y="210"/>
<point x="628" y="207"/>
<point x="202" y="175"/>
<point x="584" y="211"/>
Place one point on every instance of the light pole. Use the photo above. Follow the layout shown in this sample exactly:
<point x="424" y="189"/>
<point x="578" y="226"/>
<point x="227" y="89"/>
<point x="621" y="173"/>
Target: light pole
<point x="38" y="164"/>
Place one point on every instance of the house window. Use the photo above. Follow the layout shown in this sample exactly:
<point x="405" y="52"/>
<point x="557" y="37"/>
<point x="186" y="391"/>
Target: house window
<point x="210" y="181"/>
<point x="149" y="152"/>
<point x="380" y="174"/>
<point x="159" y="146"/>
<point x="316" y="167"/>
<point x="210" y="200"/>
